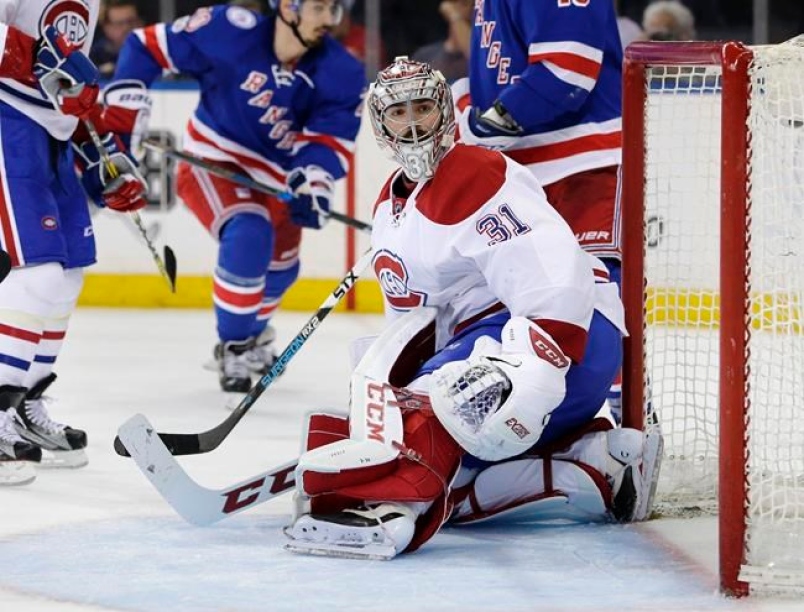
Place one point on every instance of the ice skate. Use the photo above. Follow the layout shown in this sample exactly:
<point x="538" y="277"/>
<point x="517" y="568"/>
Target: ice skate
<point x="63" y="445"/>
<point x="234" y="373"/>
<point x="262" y="356"/>
<point x="17" y="456"/>
<point x="378" y="533"/>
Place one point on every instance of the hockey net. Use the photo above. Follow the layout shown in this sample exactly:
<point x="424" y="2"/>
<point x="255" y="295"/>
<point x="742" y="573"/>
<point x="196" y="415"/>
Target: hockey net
<point x="713" y="284"/>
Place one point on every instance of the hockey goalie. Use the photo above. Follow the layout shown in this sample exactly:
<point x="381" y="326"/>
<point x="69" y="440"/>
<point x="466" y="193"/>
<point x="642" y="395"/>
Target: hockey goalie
<point x="481" y="397"/>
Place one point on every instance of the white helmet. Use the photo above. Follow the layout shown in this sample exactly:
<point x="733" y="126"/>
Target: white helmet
<point x="417" y="143"/>
<point x="338" y="7"/>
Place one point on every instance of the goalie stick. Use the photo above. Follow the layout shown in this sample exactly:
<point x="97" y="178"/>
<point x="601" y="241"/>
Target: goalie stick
<point x="194" y="503"/>
<point x="197" y="443"/>
<point x="247" y="181"/>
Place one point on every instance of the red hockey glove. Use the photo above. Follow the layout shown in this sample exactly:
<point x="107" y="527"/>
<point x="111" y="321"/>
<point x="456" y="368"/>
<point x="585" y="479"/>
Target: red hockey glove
<point x="66" y="76"/>
<point x="126" y="191"/>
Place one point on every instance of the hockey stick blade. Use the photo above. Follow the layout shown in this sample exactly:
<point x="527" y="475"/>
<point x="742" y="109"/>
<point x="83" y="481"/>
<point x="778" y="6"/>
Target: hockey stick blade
<point x="198" y="443"/>
<point x="171" y="267"/>
<point x="194" y="503"/>
<point x="5" y="265"/>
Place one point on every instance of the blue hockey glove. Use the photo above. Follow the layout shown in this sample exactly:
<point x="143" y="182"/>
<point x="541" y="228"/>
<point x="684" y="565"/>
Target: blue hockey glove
<point x="126" y="191"/>
<point x="492" y="129"/>
<point x="65" y="74"/>
<point x="312" y="188"/>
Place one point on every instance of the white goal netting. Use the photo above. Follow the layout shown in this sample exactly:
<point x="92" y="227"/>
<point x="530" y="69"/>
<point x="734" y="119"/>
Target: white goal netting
<point x="682" y="268"/>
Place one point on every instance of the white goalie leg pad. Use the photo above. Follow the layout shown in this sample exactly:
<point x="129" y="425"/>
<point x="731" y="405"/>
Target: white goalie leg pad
<point x="338" y="458"/>
<point x="496" y="407"/>
<point x="376" y="533"/>
<point x="630" y="462"/>
<point x="380" y="358"/>
<point x="515" y="490"/>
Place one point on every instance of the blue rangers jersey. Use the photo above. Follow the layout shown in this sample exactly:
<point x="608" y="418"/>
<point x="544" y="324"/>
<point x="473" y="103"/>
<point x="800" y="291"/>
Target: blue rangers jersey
<point x="556" y="66"/>
<point x="253" y="111"/>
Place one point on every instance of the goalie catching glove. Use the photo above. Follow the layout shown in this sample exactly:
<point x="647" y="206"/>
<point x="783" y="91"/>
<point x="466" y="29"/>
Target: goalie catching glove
<point x="65" y="74"/>
<point x="497" y="403"/>
<point x="124" y="192"/>
<point x="312" y="188"/>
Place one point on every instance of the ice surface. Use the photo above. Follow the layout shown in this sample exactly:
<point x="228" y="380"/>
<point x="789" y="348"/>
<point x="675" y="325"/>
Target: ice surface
<point x="100" y="538"/>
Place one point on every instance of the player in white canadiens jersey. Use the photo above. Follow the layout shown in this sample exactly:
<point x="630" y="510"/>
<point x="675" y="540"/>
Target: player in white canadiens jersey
<point x="48" y="87"/>
<point x="480" y="397"/>
<point x="280" y="101"/>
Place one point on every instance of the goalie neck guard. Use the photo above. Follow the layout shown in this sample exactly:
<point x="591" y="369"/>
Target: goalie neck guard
<point x="411" y="111"/>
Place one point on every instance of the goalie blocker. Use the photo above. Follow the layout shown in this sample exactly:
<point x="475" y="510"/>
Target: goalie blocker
<point x="384" y="479"/>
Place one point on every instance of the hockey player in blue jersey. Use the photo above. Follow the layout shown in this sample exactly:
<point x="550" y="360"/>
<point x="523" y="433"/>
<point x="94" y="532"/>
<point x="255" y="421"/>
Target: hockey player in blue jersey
<point x="280" y="101"/>
<point x="544" y="87"/>
<point x="48" y="86"/>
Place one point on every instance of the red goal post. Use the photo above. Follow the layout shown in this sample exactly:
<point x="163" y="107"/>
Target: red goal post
<point x="713" y="282"/>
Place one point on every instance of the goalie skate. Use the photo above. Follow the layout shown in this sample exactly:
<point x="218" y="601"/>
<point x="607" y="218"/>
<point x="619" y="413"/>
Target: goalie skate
<point x="62" y="445"/>
<point x="377" y="534"/>
<point x="633" y="472"/>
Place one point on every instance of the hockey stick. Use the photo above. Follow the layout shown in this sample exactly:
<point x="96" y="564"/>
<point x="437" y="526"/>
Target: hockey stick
<point x="247" y="181"/>
<point x="5" y="265"/>
<point x="197" y="443"/>
<point x="194" y="503"/>
<point x="167" y="268"/>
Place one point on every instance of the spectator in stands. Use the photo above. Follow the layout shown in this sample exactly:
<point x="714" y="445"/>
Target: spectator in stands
<point x="254" y="5"/>
<point x="668" y="20"/>
<point x="119" y="17"/>
<point x="451" y="56"/>
<point x="629" y="29"/>
<point x="352" y="34"/>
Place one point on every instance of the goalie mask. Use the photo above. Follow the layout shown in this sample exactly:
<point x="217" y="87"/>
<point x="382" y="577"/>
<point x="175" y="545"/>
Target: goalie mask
<point x="411" y="111"/>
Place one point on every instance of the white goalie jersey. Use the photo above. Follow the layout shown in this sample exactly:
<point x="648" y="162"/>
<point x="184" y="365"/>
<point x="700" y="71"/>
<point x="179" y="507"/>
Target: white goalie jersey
<point x="471" y="244"/>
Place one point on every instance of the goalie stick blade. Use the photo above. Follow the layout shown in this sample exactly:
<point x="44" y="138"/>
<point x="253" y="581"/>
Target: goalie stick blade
<point x="194" y="503"/>
<point x="177" y="444"/>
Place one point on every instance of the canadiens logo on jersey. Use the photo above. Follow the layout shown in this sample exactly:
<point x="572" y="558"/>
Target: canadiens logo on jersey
<point x="393" y="277"/>
<point x="69" y="17"/>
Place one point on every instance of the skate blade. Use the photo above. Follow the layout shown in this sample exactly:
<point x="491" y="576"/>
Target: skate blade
<point x="72" y="459"/>
<point x="16" y="473"/>
<point x="371" y="552"/>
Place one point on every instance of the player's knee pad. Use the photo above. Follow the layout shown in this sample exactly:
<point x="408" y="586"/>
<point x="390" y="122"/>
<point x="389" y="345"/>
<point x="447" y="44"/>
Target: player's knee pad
<point x="40" y="289"/>
<point x="246" y="241"/>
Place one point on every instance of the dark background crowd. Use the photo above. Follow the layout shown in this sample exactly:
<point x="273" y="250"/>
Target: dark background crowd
<point x="435" y="30"/>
